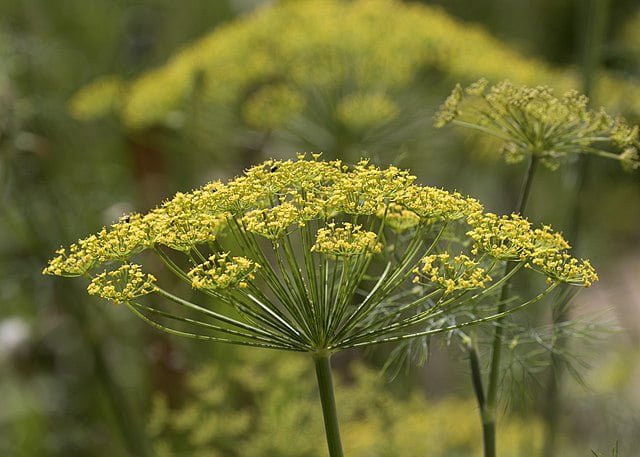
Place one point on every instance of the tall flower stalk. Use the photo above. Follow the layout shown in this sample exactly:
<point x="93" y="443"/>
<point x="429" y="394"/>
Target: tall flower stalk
<point x="533" y="125"/>
<point x="317" y="257"/>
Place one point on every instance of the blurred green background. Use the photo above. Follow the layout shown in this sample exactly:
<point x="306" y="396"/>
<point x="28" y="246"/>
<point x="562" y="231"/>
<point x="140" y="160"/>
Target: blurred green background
<point x="79" y="377"/>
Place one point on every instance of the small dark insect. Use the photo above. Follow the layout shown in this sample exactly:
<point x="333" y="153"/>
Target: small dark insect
<point x="126" y="219"/>
<point x="273" y="168"/>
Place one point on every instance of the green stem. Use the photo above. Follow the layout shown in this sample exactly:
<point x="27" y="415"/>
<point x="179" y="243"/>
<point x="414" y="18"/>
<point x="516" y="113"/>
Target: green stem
<point x="476" y="376"/>
<point x="327" y="398"/>
<point x="488" y="408"/>
<point x="489" y="433"/>
<point x="526" y="184"/>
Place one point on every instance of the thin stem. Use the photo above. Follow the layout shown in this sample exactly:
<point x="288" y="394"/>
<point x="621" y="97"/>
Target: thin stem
<point x="476" y="373"/>
<point x="327" y="398"/>
<point x="494" y="317"/>
<point x="489" y="407"/>
<point x="526" y="184"/>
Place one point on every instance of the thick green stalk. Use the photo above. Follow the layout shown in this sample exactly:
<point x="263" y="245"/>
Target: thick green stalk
<point x="327" y="398"/>
<point x="487" y="405"/>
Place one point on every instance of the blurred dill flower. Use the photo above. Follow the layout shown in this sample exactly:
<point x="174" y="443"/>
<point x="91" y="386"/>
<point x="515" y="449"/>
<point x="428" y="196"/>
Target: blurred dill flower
<point x="215" y="421"/>
<point x="278" y="61"/>
<point x="272" y="106"/>
<point x="100" y="96"/>
<point x="360" y="111"/>
<point x="533" y="121"/>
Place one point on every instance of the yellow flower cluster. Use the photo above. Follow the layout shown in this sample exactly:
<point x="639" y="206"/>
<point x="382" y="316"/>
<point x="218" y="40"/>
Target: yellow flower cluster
<point x="367" y="188"/>
<point x="76" y="260"/>
<point x="512" y="238"/>
<point x="363" y="110"/>
<point x="272" y="223"/>
<point x="560" y="266"/>
<point x="223" y="272"/>
<point x="272" y="106"/>
<point x="122" y="285"/>
<point x="451" y="274"/>
<point x="365" y="52"/>
<point x="438" y="204"/>
<point x="346" y="241"/>
<point x="532" y="120"/>
<point x="503" y="237"/>
<point x="124" y="238"/>
<point x="350" y="209"/>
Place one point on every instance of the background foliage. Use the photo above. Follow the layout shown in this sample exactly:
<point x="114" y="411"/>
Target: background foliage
<point x="80" y="378"/>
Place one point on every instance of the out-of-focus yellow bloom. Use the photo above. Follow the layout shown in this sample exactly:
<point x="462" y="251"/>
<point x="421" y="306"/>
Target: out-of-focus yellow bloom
<point x="350" y="57"/>
<point x="278" y="398"/>
<point x="97" y="98"/>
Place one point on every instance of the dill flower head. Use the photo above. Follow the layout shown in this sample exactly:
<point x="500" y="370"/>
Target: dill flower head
<point x="361" y="110"/>
<point x="271" y="223"/>
<point x="452" y="274"/>
<point x="534" y="121"/>
<point x="122" y="285"/>
<point x="308" y="255"/>
<point x="346" y="241"/>
<point x="222" y="272"/>
<point x="76" y="260"/>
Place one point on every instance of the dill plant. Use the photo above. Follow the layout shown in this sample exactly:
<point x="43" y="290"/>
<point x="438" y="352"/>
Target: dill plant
<point x="318" y="257"/>
<point x="531" y="124"/>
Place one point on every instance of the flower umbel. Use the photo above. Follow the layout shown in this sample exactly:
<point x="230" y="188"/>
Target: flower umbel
<point x="122" y="285"/>
<point x="346" y="241"/>
<point x="315" y="256"/>
<point x="533" y="120"/>
<point x="222" y="272"/>
<point x="452" y="274"/>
